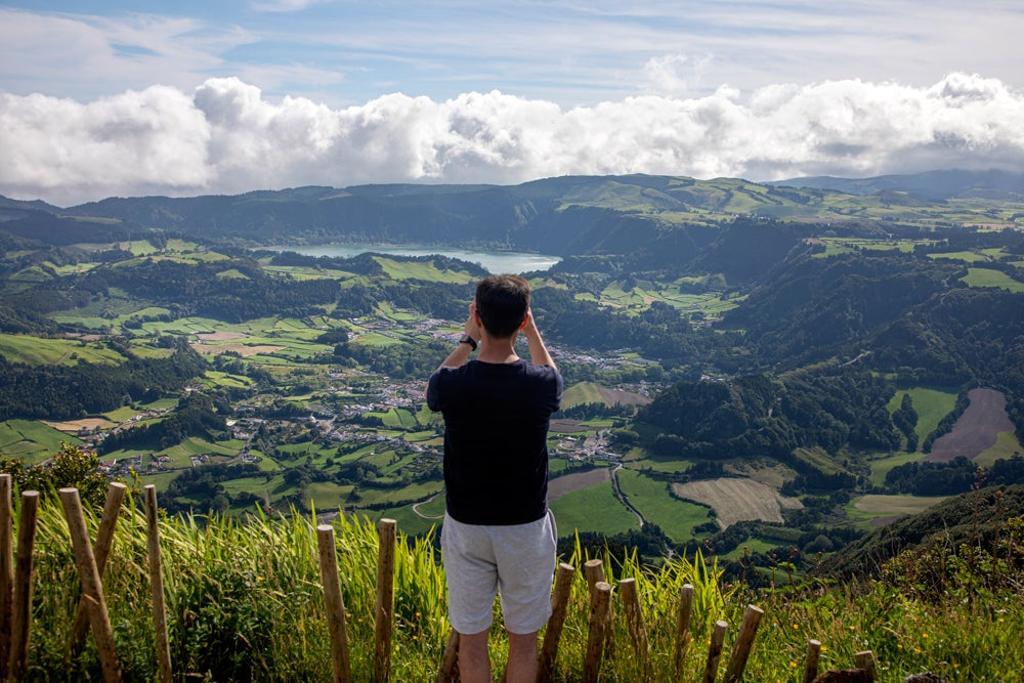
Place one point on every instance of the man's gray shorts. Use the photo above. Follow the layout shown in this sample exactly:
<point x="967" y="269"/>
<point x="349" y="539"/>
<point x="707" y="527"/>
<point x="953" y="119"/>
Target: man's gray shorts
<point x="517" y="561"/>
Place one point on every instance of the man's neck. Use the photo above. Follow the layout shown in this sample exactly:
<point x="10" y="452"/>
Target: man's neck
<point x="498" y="350"/>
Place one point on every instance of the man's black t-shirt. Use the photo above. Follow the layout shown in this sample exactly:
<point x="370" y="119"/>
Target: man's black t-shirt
<point x="495" y="440"/>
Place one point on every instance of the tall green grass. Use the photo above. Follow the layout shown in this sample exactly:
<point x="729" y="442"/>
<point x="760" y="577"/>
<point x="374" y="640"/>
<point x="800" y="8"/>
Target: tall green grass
<point x="244" y="602"/>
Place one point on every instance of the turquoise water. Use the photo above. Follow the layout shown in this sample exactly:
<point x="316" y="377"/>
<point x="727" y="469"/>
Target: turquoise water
<point x="492" y="261"/>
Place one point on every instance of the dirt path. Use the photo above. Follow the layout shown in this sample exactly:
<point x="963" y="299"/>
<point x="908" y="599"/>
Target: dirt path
<point x="622" y="498"/>
<point x="416" y="508"/>
<point x="977" y="428"/>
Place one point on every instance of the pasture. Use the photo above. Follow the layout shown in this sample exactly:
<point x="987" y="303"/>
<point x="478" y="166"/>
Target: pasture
<point x="736" y="500"/>
<point x="327" y="495"/>
<point x="878" y="510"/>
<point x="882" y="465"/>
<point x="585" y="393"/>
<point x="1006" y="446"/>
<point x="31" y="441"/>
<point x="640" y="296"/>
<point x="652" y="498"/>
<point x="931" y="406"/>
<point x="594" y="508"/>
<point x="987" y="277"/>
<point x="421" y="270"/>
<point x="23" y="348"/>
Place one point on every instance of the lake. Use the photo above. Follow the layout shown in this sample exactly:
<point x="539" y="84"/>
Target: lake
<point x="491" y="261"/>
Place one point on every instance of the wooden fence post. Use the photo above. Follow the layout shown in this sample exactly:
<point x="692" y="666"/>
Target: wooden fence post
<point x="385" y="600"/>
<point x="811" y="663"/>
<point x="449" y="669"/>
<point x="715" y="651"/>
<point x="866" y="661"/>
<point x="21" y="614"/>
<point x="156" y="587"/>
<point x="92" y="585"/>
<point x="683" y="626"/>
<point x="6" y="571"/>
<point x="553" y="632"/>
<point x="635" y="623"/>
<point x="740" y="653"/>
<point x="104" y="541"/>
<point x="595" y="637"/>
<point x="335" y="604"/>
<point x="593" y="570"/>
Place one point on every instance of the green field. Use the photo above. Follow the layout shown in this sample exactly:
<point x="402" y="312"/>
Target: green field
<point x="408" y="521"/>
<point x="881" y="466"/>
<point x="594" y="508"/>
<point x="23" y="348"/>
<point x="965" y="256"/>
<point x="834" y="246"/>
<point x="1006" y="446"/>
<point x="751" y="545"/>
<point x="376" y="339"/>
<point x="214" y="378"/>
<point x="397" y="418"/>
<point x="581" y="393"/>
<point x="931" y="406"/>
<point x="30" y="441"/>
<point x="181" y="454"/>
<point x="659" y="465"/>
<point x="986" y="277"/>
<point x="160" y="479"/>
<point x="652" y="498"/>
<point x="865" y="510"/>
<point x="373" y="496"/>
<point x="326" y="495"/>
<point x="421" y="270"/>
<point x="640" y="297"/>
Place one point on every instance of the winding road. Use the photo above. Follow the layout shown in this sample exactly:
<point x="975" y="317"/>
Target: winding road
<point x="622" y="497"/>
<point x="416" y="508"/>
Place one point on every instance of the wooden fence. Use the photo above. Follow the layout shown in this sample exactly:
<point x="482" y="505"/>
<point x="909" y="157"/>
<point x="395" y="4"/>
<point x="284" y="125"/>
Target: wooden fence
<point x="91" y="559"/>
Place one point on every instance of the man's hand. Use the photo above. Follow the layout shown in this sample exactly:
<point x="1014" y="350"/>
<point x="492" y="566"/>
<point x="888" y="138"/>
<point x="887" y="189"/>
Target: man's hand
<point x="471" y="327"/>
<point x="530" y="330"/>
<point x="538" y="352"/>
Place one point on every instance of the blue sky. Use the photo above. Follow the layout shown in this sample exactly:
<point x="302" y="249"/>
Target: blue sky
<point x="104" y="98"/>
<point x="571" y="52"/>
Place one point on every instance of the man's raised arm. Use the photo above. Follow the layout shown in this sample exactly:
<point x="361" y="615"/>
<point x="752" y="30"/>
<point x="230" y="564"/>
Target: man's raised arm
<point x="538" y="351"/>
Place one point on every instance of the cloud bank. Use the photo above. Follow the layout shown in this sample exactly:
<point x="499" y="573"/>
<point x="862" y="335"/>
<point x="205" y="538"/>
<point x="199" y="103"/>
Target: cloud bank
<point x="227" y="137"/>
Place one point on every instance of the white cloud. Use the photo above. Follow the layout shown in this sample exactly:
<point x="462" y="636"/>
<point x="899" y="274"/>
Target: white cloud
<point x="674" y="74"/>
<point x="284" y="5"/>
<point x="228" y="137"/>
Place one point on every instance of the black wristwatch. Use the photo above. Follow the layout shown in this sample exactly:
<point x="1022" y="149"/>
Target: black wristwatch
<point x="466" y="339"/>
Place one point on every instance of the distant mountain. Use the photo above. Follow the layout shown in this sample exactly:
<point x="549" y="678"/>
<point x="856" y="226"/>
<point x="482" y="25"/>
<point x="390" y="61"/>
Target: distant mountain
<point x="570" y="215"/>
<point x="931" y="185"/>
<point x="18" y="208"/>
<point x="28" y="205"/>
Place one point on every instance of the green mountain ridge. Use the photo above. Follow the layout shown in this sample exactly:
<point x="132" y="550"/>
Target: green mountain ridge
<point x="564" y="215"/>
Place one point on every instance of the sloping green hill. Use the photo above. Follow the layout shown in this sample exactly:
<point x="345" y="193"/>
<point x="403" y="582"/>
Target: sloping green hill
<point x="971" y="518"/>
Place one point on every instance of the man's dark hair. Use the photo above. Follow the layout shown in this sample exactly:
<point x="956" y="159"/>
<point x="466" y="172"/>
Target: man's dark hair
<point x="502" y="302"/>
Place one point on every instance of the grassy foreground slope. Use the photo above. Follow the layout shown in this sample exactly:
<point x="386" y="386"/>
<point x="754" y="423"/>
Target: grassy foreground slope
<point x="245" y="603"/>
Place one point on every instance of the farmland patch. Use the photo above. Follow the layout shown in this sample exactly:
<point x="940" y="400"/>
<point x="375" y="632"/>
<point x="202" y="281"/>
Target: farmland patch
<point x="878" y="510"/>
<point x="560" y="486"/>
<point x="977" y="428"/>
<point x="736" y="500"/>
